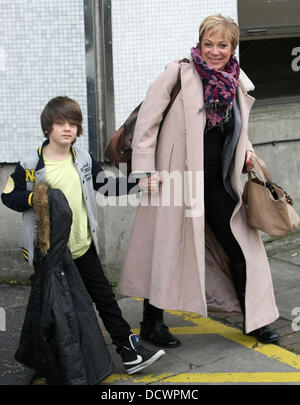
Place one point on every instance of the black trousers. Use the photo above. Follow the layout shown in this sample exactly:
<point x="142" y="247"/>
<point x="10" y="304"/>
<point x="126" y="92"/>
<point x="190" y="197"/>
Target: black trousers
<point x="219" y="207"/>
<point x="102" y="295"/>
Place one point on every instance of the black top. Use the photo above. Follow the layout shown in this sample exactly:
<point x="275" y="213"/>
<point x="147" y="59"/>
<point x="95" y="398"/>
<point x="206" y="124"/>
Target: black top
<point x="214" y="138"/>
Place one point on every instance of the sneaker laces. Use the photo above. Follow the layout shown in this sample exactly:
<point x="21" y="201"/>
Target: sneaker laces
<point x="143" y="351"/>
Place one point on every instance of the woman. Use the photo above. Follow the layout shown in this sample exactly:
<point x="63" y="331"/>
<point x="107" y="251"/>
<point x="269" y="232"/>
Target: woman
<point x="202" y="257"/>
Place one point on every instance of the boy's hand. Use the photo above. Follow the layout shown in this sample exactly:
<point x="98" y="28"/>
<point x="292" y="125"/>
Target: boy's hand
<point x="150" y="184"/>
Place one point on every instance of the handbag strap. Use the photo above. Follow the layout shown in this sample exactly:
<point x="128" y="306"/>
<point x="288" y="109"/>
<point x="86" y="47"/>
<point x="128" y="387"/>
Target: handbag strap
<point x="176" y="89"/>
<point x="261" y="169"/>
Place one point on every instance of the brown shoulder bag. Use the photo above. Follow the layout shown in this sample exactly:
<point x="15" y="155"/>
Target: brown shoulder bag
<point x="119" y="149"/>
<point x="269" y="208"/>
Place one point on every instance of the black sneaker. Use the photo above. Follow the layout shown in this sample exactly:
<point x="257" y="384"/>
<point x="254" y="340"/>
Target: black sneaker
<point x="136" y="357"/>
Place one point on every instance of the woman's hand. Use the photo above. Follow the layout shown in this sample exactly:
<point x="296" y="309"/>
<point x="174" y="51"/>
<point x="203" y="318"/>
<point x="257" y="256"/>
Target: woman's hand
<point x="150" y="183"/>
<point x="248" y="166"/>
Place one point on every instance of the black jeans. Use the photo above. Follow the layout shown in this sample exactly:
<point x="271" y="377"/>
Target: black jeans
<point x="219" y="207"/>
<point x="102" y="295"/>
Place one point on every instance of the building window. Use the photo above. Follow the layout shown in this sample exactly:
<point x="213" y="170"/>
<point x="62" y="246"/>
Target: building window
<point x="273" y="65"/>
<point x="270" y="47"/>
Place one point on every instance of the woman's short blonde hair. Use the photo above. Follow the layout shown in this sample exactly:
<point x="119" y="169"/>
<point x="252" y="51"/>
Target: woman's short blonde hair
<point x="220" y="24"/>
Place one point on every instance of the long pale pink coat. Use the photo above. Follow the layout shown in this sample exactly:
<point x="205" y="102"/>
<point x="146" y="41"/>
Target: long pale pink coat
<point x="173" y="258"/>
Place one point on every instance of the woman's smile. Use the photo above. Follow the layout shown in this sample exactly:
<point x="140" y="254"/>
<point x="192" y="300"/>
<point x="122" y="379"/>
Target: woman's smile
<point x="216" y="50"/>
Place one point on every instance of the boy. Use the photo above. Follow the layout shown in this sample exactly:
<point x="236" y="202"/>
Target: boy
<point x="74" y="171"/>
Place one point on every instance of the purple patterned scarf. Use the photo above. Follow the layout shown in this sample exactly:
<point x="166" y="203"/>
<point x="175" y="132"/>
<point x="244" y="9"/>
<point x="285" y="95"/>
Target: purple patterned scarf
<point x="219" y="88"/>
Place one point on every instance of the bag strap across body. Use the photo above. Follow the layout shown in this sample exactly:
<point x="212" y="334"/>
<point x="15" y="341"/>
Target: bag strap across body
<point x="175" y="90"/>
<point x="119" y="149"/>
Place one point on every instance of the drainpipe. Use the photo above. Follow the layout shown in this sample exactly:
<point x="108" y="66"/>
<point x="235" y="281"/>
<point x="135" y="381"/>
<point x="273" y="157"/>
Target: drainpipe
<point x="99" y="72"/>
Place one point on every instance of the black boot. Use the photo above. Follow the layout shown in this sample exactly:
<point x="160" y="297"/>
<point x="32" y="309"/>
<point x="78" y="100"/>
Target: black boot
<point x="154" y="329"/>
<point x="265" y="334"/>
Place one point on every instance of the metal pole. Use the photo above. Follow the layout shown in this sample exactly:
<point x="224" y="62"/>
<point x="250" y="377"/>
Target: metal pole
<point x="104" y="73"/>
<point x="99" y="67"/>
<point x="91" y="77"/>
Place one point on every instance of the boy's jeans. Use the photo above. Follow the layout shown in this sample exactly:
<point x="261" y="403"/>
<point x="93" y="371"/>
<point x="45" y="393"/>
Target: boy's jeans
<point x="101" y="293"/>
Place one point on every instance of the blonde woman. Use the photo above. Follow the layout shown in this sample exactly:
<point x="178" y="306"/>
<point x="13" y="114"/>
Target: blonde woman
<point x="202" y="258"/>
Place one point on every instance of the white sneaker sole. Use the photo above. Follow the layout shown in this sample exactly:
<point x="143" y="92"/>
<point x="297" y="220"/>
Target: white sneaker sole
<point x="146" y="363"/>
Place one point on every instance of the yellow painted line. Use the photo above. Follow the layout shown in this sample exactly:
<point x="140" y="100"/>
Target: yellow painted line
<point x="268" y="377"/>
<point x="279" y="354"/>
<point x="209" y="326"/>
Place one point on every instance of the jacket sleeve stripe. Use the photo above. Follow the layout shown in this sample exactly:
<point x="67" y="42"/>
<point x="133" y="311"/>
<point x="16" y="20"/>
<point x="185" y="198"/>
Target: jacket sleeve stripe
<point x="30" y="199"/>
<point x="18" y="198"/>
<point x="25" y="254"/>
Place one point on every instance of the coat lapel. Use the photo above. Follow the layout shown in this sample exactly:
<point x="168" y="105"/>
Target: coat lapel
<point x="245" y="103"/>
<point x="195" y="116"/>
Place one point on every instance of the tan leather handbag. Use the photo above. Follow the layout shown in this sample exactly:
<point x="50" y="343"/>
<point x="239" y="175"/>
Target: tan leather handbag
<point x="269" y="208"/>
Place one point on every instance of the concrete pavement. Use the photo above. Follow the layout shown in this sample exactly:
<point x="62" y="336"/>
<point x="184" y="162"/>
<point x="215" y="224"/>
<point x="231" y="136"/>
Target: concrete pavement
<point x="213" y="351"/>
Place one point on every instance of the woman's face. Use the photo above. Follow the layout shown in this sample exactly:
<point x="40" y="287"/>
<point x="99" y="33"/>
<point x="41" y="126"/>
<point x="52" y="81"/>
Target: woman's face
<point x="216" y="49"/>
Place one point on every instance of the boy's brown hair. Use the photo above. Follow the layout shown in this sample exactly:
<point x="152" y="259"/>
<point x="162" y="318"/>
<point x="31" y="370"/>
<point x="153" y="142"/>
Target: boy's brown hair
<point x="61" y="108"/>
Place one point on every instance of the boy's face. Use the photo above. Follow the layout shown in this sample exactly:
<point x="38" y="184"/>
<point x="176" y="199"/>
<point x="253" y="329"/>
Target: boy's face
<point x="63" y="133"/>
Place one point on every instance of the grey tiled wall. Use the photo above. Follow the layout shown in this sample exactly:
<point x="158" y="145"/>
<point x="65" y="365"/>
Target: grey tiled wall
<point x="147" y="34"/>
<point x="42" y="55"/>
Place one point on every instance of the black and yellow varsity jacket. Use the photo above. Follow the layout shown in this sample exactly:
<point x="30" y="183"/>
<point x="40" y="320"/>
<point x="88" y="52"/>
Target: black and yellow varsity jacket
<point x="18" y="192"/>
